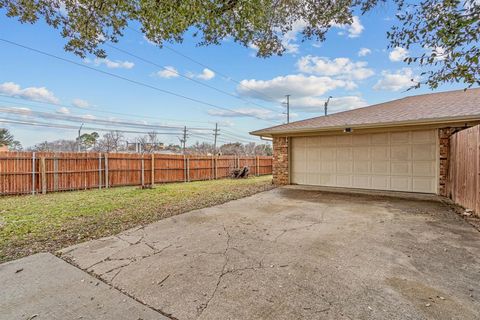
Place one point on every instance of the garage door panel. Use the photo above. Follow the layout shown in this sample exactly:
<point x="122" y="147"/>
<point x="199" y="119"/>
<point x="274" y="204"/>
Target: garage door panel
<point x="401" y="161"/>
<point x="401" y="168"/>
<point x="344" y="181"/>
<point x="327" y="166"/>
<point x="328" y="141"/>
<point x="400" y="137"/>
<point x="380" y="182"/>
<point x="380" y="153"/>
<point x="427" y="136"/>
<point x="380" y="139"/>
<point x="401" y="183"/>
<point x="424" y="152"/>
<point x="362" y="167"/>
<point x="344" y="140"/>
<point x="361" y="140"/>
<point x="361" y="153"/>
<point x="401" y="152"/>
<point x="424" y="168"/>
<point x="328" y="154"/>
<point x="381" y="167"/>
<point x="423" y="184"/>
<point x="344" y="153"/>
<point x="364" y="182"/>
<point x="344" y="167"/>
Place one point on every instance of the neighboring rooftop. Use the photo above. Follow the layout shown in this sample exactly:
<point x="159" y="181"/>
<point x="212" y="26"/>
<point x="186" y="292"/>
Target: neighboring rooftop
<point x="426" y="108"/>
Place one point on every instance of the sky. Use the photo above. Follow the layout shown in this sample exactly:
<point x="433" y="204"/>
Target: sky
<point x="225" y="84"/>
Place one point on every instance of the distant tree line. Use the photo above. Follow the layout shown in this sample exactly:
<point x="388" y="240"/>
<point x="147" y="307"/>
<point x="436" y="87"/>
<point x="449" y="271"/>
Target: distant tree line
<point x="115" y="141"/>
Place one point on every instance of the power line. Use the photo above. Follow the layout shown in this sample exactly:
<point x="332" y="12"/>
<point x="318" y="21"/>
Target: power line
<point x="95" y="110"/>
<point x="71" y="118"/>
<point x="187" y="77"/>
<point x="139" y="83"/>
<point x="225" y="76"/>
<point x="64" y="126"/>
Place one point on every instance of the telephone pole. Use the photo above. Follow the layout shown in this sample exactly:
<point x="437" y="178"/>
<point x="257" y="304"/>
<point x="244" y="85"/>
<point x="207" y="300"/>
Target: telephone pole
<point x="215" y="133"/>
<point x="288" y="107"/>
<point x="184" y="138"/>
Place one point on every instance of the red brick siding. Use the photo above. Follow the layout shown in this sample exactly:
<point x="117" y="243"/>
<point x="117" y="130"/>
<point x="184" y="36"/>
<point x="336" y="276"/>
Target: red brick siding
<point x="280" y="161"/>
<point x="444" y="141"/>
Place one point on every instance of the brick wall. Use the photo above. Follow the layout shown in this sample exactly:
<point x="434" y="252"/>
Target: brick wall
<point x="280" y="161"/>
<point x="444" y="140"/>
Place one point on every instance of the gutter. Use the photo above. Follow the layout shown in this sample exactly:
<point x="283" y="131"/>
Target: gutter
<point x="444" y="120"/>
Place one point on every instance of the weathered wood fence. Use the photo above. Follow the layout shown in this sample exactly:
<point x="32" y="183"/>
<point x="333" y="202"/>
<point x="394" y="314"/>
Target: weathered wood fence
<point x="42" y="172"/>
<point x="463" y="185"/>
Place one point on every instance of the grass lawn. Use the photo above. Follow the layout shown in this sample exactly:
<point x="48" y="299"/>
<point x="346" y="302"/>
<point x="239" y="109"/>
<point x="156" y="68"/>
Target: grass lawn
<point x="30" y="224"/>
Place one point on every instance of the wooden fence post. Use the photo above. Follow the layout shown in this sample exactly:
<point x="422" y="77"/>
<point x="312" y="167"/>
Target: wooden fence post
<point x="188" y="169"/>
<point x="43" y="175"/>
<point x="216" y="167"/>
<point x="106" y="171"/>
<point x="55" y="173"/>
<point x="184" y="168"/>
<point x="143" y="171"/>
<point x="257" y="164"/>
<point x="152" y="178"/>
<point x="99" y="170"/>
<point x="33" y="173"/>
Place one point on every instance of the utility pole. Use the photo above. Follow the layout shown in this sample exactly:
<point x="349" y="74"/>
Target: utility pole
<point x="288" y="108"/>
<point x="183" y="140"/>
<point x="79" y="141"/>
<point x="215" y="133"/>
<point x="326" y="105"/>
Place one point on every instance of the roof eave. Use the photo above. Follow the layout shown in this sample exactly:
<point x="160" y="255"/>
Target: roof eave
<point x="432" y="121"/>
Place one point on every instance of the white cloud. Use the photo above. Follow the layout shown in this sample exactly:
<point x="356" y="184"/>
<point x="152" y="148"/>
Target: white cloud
<point x="398" y="54"/>
<point x="289" y="38"/>
<point x="117" y="64"/>
<point x="31" y="93"/>
<point x="399" y="80"/>
<point x="168" y="72"/>
<point x="63" y="110"/>
<point x="336" y="104"/>
<point x="353" y="30"/>
<point x="206" y="74"/>
<point x="88" y="116"/>
<point x="341" y="67"/>
<point x="296" y="85"/>
<point x="257" y="113"/>
<point x="79" y="103"/>
<point x="364" y="52"/>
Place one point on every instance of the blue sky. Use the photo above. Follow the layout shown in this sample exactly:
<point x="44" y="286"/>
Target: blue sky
<point x="353" y="65"/>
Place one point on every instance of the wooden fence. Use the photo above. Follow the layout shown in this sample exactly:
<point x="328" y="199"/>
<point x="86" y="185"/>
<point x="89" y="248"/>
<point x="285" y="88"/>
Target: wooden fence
<point x="42" y="172"/>
<point x="463" y="185"/>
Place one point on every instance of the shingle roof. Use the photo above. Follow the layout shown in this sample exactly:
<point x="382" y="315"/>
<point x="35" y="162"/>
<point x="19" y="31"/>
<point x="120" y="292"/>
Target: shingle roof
<point x="433" y="107"/>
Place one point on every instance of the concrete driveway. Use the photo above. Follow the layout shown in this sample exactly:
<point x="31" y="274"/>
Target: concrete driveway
<point x="296" y="254"/>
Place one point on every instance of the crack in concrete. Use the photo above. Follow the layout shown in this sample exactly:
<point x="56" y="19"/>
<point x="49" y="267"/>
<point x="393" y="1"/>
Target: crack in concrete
<point x="204" y="306"/>
<point x="322" y="220"/>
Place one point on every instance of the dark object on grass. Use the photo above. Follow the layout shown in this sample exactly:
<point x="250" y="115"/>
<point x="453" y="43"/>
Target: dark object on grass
<point x="240" y="173"/>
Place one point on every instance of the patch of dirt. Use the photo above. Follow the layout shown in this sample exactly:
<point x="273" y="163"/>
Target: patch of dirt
<point x="432" y="302"/>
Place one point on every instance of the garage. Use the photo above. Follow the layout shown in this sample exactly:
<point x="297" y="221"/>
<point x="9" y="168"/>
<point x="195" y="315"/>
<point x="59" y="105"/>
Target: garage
<point x="399" y="161"/>
<point x="400" y="145"/>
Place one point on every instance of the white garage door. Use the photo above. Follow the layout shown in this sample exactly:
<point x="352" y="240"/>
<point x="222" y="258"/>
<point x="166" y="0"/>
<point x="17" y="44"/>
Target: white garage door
<point x="400" y="161"/>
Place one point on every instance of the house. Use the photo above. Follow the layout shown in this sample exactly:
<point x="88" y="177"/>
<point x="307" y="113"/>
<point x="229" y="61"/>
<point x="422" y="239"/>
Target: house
<point x="401" y="145"/>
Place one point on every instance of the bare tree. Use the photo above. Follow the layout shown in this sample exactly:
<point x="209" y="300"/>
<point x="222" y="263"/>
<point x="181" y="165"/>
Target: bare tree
<point x="56" y="146"/>
<point x="111" y="142"/>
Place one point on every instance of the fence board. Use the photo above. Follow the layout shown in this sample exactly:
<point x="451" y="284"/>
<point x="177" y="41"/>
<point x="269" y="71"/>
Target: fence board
<point x="463" y="185"/>
<point x="21" y="172"/>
